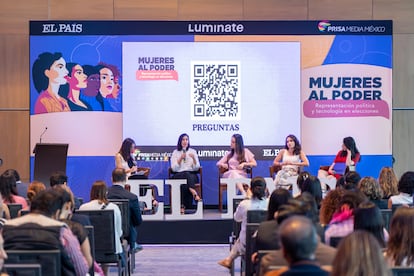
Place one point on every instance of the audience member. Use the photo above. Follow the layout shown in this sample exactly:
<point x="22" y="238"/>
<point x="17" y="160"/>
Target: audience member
<point x="3" y="255"/>
<point x="237" y="161"/>
<point x="60" y="178"/>
<point x="303" y="206"/>
<point x="117" y="191"/>
<point x="312" y="185"/>
<point x="359" y="254"/>
<point x="267" y="237"/>
<point x="368" y="217"/>
<point x="34" y="188"/>
<point x="329" y="205"/>
<point x="400" y="247"/>
<point x="388" y="182"/>
<point x="7" y="182"/>
<point x="301" y="178"/>
<point x="370" y="187"/>
<point x="342" y="222"/>
<point x="291" y="158"/>
<point x="405" y="189"/>
<point x="21" y="188"/>
<point x="340" y="182"/>
<point x="299" y="241"/>
<point x="99" y="201"/>
<point x="256" y="202"/>
<point x="40" y="229"/>
<point x="351" y="180"/>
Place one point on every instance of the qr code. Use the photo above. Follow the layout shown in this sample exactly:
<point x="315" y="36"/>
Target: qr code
<point x="215" y="90"/>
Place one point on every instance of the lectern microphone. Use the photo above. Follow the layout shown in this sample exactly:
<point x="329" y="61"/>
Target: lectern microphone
<point x="41" y="135"/>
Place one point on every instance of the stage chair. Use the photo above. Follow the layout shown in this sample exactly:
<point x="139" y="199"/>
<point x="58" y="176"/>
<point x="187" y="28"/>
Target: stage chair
<point x="273" y="169"/>
<point x="49" y="260"/>
<point x="223" y="187"/>
<point x="23" y="269"/>
<point x="14" y="209"/>
<point x="104" y="236"/>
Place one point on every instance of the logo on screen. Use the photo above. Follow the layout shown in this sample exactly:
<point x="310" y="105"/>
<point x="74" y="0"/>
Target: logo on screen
<point x="323" y="25"/>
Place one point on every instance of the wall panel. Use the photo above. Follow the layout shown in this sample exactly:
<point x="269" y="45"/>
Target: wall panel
<point x="14" y="72"/>
<point x="275" y="10"/>
<point x="15" y="15"/>
<point x="403" y="71"/>
<point x="81" y="9"/>
<point x="210" y="10"/>
<point x="146" y="10"/>
<point x="340" y="9"/>
<point x="403" y="135"/>
<point x="400" y="11"/>
<point x="14" y="146"/>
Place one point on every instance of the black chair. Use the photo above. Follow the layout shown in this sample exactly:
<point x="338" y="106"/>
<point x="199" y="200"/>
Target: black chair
<point x="334" y="241"/>
<point x="254" y="218"/>
<point x="49" y="260"/>
<point x="123" y="205"/>
<point x="91" y="239"/>
<point x="396" y="206"/>
<point x="14" y="209"/>
<point x="104" y="236"/>
<point x="402" y="271"/>
<point x="386" y="217"/>
<point x="23" y="269"/>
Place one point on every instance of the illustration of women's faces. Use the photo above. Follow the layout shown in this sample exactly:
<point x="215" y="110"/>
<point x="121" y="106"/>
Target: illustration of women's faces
<point x="79" y="79"/>
<point x="92" y="86"/>
<point x="57" y="73"/>
<point x="107" y="82"/>
<point x="117" y="88"/>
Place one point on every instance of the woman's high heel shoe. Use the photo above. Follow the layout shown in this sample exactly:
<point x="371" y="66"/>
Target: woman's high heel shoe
<point x="197" y="198"/>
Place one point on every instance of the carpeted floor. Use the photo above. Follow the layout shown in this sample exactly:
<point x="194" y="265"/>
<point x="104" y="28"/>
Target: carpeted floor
<point x="180" y="260"/>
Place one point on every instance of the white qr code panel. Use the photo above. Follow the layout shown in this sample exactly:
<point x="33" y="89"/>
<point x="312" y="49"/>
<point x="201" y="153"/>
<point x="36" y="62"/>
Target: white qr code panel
<point x="215" y="90"/>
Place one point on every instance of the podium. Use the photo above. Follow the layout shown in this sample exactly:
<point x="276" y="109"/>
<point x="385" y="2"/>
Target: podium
<point x="49" y="158"/>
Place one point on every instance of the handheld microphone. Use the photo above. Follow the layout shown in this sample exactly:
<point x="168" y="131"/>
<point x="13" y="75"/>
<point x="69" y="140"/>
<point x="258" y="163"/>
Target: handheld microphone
<point x="41" y="135"/>
<point x="184" y="151"/>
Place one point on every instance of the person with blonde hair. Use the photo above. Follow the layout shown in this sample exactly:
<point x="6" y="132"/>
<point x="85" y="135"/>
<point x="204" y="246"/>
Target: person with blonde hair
<point x="370" y="187"/>
<point x="359" y="253"/>
<point x="388" y="182"/>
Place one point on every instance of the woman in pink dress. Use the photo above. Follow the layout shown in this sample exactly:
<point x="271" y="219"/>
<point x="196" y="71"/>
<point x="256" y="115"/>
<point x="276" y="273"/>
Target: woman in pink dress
<point x="236" y="161"/>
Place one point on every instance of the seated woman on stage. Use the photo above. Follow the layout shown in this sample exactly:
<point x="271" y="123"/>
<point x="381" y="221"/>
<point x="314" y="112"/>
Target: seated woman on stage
<point x="348" y="156"/>
<point x="124" y="160"/>
<point x="290" y="158"/>
<point x="185" y="165"/>
<point x="237" y="161"/>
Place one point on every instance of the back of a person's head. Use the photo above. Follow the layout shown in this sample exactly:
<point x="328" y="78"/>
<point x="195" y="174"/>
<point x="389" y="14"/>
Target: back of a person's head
<point x="258" y="187"/>
<point x="34" y="188"/>
<point x="312" y="185"/>
<point x="99" y="191"/>
<point x="119" y="175"/>
<point x="406" y="183"/>
<point x="329" y="205"/>
<point x="388" y="182"/>
<point x="46" y="202"/>
<point x="368" y="217"/>
<point x="370" y="187"/>
<point x="15" y="173"/>
<point x="298" y="238"/>
<point x="58" y="178"/>
<point x="352" y="199"/>
<point x="301" y="178"/>
<point x="340" y="182"/>
<point x="7" y="183"/>
<point x="351" y="180"/>
<point x="400" y="246"/>
<point x="295" y="207"/>
<point x="278" y="198"/>
<point x="359" y="253"/>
